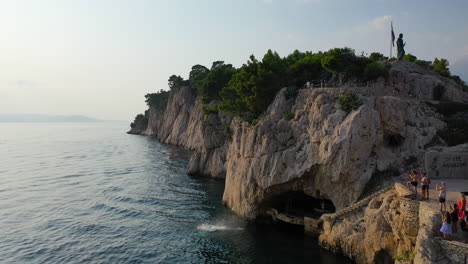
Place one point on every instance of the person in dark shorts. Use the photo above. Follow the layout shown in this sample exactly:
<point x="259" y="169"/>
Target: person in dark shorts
<point x="425" y="181"/>
<point x="413" y="181"/>
<point x="454" y="217"/>
<point x="442" y="188"/>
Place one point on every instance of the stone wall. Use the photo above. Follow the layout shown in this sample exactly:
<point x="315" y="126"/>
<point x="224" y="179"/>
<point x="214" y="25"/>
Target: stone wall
<point x="447" y="163"/>
<point x="456" y="252"/>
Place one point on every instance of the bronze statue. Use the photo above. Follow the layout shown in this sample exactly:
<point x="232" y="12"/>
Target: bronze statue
<point x="400" y="47"/>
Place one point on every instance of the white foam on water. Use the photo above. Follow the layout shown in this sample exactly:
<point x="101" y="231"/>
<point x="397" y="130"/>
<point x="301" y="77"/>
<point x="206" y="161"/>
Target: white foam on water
<point x="212" y="228"/>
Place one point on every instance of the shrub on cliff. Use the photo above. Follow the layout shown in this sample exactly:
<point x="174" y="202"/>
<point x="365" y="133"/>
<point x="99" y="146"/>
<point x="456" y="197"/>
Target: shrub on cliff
<point x="254" y="86"/>
<point x="460" y="82"/>
<point x="140" y="122"/>
<point x="248" y="91"/>
<point x="409" y="58"/>
<point x="375" y="56"/>
<point x="374" y="70"/>
<point x="304" y="67"/>
<point x="425" y="64"/>
<point x="157" y="100"/>
<point x="175" y="81"/>
<point x="288" y="115"/>
<point x="197" y="75"/>
<point x="345" y="63"/>
<point x="349" y="101"/>
<point x="215" y="80"/>
<point x="441" y="67"/>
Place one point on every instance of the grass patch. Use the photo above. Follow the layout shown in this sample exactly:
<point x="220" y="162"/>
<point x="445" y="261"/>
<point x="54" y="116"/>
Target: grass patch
<point x="288" y="115"/>
<point x="349" y="101"/>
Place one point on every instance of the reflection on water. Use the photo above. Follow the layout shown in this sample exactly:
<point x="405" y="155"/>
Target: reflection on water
<point x="89" y="193"/>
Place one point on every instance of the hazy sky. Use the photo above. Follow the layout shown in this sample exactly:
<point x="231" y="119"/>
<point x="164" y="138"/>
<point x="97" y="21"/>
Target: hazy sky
<point x="100" y="57"/>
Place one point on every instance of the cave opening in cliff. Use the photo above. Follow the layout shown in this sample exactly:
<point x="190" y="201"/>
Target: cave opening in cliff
<point x="297" y="204"/>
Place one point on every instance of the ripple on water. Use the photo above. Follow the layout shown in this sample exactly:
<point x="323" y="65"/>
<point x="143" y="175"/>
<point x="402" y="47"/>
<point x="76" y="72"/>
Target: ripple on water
<point x="89" y="193"/>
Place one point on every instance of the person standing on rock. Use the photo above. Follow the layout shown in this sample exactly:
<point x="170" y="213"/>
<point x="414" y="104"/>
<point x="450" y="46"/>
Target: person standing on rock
<point x="454" y="217"/>
<point x="446" y="228"/>
<point x="413" y="181"/>
<point x="425" y="181"/>
<point x="442" y="188"/>
<point x="461" y="206"/>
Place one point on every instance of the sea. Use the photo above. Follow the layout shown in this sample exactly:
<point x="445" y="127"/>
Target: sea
<point x="90" y="193"/>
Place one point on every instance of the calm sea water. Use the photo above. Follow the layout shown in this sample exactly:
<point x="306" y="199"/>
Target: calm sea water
<point x="89" y="193"/>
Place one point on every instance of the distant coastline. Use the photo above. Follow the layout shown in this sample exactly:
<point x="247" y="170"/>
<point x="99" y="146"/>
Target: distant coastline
<point x="41" y="118"/>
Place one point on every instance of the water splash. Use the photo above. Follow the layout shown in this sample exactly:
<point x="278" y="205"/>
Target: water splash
<point x="217" y="227"/>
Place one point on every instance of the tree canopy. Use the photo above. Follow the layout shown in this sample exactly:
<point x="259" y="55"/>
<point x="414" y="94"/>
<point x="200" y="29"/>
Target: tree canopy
<point x="157" y="100"/>
<point x="215" y="80"/>
<point x="197" y="75"/>
<point x="249" y="90"/>
<point x="175" y="81"/>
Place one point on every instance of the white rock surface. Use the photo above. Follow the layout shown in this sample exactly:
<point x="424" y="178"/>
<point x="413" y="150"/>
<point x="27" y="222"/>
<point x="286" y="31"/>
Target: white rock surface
<point x="323" y="151"/>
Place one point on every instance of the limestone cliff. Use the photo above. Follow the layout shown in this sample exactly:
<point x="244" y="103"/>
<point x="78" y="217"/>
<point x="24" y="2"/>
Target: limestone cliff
<point x="409" y="80"/>
<point x="323" y="151"/>
<point x="183" y="123"/>
<point x="385" y="226"/>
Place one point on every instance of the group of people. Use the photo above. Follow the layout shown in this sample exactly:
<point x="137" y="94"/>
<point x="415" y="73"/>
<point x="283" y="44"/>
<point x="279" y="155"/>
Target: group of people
<point x="457" y="212"/>
<point x="450" y="219"/>
<point x="425" y="182"/>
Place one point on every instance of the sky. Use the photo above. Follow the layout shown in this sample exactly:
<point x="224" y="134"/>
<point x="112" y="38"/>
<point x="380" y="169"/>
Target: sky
<point x="100" y="57"/>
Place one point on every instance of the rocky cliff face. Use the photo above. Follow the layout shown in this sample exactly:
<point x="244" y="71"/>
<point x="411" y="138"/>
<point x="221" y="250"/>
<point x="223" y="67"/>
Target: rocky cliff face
<point x="411" y="81"/>
<point x="323" y="151"/>
<point x="183" y="123"/>
<point x="387" y="226"/>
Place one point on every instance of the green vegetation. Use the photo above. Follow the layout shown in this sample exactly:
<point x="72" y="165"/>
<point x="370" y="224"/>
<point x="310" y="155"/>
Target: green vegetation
<point x="409" y="58"/>
<point x="375" y="56"/>
<point x="254" y="86"/>
<point x="345" y="63"/>
<point x="440" y="66"/>
<point x="175" y="82"/>
<point x="197" y="75"/>
<point x="214" y="81"/>
<point x="157" y="100"/>
<point x="254" y="122"/>
<point x="140" y="122"/>
<point x="249" y="90"/>
<point x="406" y="256"/>
<point x="349" y="101"/>
<point x="374" y="70"/>
<point x="288" y="115"/>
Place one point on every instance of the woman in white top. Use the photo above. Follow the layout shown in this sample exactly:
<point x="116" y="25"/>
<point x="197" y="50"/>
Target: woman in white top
<point x="442" y="188"/>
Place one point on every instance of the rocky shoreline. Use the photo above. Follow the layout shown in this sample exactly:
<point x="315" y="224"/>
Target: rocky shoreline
<point x="322" y="152"/>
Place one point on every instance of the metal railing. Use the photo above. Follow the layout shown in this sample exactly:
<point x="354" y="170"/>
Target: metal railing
<point x="325" y="84"/>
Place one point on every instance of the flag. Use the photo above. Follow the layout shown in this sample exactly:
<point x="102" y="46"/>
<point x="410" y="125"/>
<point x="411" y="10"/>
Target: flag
<point x="393" y="35"/>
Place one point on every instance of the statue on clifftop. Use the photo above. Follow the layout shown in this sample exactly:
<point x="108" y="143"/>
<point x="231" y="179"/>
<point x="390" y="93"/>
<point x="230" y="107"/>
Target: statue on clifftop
<point x="400" y="47"/>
